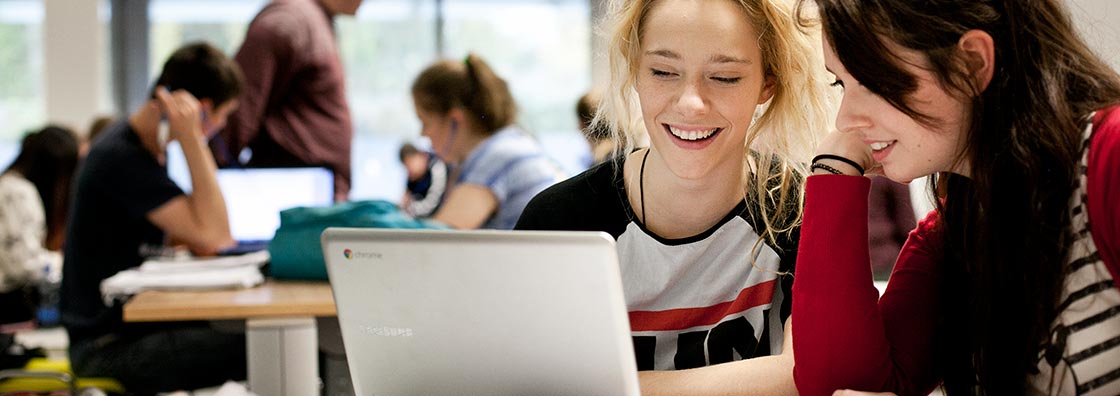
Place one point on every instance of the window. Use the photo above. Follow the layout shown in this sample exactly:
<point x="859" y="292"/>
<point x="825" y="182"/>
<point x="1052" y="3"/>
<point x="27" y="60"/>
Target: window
<point x="543" y="50"/>
<point x="22" y="103"/>
<point x="383" y="48"/>
<point x="176" y="22"/>
<point x="541" y="47"/>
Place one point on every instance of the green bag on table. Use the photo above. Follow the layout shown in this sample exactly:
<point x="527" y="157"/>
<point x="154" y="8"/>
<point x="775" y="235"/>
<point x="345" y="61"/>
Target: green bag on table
<point x="295" y="250"/>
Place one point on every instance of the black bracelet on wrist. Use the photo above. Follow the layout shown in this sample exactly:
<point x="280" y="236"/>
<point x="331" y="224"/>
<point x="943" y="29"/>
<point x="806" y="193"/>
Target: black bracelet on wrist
<point x="826" y="167"/>
<point x="838" y="158"/>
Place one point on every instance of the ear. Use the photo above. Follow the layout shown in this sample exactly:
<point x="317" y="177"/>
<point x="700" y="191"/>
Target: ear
<point x="978" y="51"/>
<point x="206" y="105"/>
<point x="456" y="116"/>
<point x="769" y="86"/>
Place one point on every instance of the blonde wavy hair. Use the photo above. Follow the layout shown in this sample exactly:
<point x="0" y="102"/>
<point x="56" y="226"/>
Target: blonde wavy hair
<point x="785" y="131"/>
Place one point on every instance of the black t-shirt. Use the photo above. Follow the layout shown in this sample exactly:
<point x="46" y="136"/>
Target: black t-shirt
<point x="118" y="184"/>
<point x="694" y="301"/>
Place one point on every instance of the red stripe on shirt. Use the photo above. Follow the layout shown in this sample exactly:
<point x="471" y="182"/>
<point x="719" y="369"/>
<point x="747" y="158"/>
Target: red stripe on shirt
<point x="685" y="318"/>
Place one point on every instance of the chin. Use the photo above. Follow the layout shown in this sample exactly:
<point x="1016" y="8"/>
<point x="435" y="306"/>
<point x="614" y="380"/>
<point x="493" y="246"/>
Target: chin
<point x="900" y="176"/>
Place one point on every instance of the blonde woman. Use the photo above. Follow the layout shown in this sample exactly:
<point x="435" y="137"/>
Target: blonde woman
<point x="706" y="217"/>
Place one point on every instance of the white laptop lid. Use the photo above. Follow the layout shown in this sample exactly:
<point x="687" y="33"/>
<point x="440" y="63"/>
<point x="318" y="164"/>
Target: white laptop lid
<point x="435" y="313"/>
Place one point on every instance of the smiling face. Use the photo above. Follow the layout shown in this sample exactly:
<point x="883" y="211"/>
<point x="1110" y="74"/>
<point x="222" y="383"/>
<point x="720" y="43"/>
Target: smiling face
<point x="699" y="79"/>
<point x="906" y="148"/>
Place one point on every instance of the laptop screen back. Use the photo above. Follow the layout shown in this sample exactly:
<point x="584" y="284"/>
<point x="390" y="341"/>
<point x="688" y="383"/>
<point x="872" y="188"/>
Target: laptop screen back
<point x="435" y="313"/>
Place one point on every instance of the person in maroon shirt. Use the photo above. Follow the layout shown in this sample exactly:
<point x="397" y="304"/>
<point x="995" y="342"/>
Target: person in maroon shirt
<point x="1008" y="288"/>
<point x="890" y="220"/>
<point x="293" y="108"/>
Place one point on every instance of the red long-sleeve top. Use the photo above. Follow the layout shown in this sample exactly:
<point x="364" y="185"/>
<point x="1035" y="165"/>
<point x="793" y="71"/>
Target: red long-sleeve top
<point x="845" y="336"/>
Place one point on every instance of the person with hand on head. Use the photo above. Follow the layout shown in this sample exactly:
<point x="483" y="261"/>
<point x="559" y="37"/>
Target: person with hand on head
<point x="468" y="113"/>
<point x="293" y="109"/>
<point x="34" y="201"/>
<point x="1009" y="286"/>
<point x="126" y="207"/>
<point x="731" y="97"/>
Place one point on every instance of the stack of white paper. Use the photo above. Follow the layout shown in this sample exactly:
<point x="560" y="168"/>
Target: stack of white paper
<point x="228" y="272"/>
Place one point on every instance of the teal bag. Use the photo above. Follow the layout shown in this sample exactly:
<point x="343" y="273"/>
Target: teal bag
<point x="295" y="249"/>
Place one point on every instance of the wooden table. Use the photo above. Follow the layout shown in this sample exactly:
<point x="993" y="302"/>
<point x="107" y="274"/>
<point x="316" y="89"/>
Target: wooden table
<point x="281" y="337"/>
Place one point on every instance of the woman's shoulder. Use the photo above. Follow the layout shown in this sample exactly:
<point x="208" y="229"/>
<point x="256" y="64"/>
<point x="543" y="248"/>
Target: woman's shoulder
<point x="1106" y="128"/>
<point x="595" y="193"/>
<point x="594" y="186"/>
<point x="12" y="183"/>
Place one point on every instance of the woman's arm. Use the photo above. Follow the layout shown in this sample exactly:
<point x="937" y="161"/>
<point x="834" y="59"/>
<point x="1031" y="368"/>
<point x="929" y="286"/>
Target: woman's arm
<point x="765" y="375"/>
<point x="467" y="207"/>
<point x="847" y="337"/>
<point x="1104" y="190"/>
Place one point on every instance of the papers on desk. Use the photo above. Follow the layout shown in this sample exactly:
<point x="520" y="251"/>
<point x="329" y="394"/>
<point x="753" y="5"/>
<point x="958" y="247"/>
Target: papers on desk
<point x="230" y="272"/>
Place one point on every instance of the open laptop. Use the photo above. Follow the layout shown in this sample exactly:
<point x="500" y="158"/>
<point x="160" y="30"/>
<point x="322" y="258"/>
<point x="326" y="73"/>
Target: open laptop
<point x="255" y="196"/>
<point x="434" y="313"/>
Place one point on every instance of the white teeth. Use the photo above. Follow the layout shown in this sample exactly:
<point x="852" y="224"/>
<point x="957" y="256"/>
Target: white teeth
<point x="880" y="145"/>
<point x="692" y="135"/>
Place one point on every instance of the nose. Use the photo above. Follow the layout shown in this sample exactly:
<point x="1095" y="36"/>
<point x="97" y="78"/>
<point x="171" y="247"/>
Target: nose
<point x="852" y="115"/>
<point x="691" y="101"/>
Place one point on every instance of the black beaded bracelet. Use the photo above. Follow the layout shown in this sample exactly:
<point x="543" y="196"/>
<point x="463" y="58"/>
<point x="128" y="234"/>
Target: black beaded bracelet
<point x="839" y="158"/>
<point x="826" y="167"/>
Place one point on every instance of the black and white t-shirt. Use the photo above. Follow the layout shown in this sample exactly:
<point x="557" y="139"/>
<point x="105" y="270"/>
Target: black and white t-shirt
<point x="711" y="298"/>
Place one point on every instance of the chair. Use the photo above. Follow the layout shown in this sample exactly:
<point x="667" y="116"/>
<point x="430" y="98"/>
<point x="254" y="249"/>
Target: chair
<point x="52" y="376"/>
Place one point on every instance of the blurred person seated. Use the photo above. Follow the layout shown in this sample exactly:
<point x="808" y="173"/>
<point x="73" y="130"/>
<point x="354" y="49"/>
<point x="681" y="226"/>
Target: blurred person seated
<point x="891" y="218"/>
<point x="427" y="181"/>
<point x="468" y="113"/>
<point x="598" y="135"/>
<point x="34" y="199"/>
<point x="126" y="208"/>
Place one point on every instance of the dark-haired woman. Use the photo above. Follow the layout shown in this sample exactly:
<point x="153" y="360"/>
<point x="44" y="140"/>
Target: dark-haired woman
<point x="34" y="193"/>
<point x="468" y="113"/>
<point x="1009" y="287"/>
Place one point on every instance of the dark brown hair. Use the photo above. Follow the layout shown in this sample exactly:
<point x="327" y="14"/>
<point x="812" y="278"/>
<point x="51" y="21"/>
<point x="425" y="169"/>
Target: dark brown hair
<point x="202" y="70"/>
<point x="1007" y="226"/>
<point x="47" y="158"/>
<point x="586" y="109"/>
<point x="471" y="85"/>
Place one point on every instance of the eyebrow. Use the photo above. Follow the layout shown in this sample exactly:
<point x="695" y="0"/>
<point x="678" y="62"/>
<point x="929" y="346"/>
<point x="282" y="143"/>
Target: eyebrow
<point x="718" y="58"/>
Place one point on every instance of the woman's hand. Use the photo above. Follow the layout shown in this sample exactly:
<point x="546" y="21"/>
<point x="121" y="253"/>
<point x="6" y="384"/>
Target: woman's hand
<point x="848" y="145"/>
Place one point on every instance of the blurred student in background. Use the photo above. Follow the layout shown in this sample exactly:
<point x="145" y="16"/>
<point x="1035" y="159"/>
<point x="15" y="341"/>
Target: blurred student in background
<point x="293" y="109"/>
<point x="95" y="128"/>
<point x="427" y="181"/>
<point x="468" y="113"/>
<point x="598" y="135"/>
<point x="890" y="219"/>
<point x="706" y="217"/>
<point x="34" y="201"/>
<point x="125" y="209"/>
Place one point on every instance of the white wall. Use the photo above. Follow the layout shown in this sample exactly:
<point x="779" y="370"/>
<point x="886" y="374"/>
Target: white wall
<point x="1099" y="23"/>
<point x="75" y="58"/>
